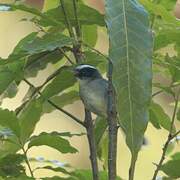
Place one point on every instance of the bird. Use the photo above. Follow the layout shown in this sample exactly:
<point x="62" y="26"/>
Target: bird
<point x="93" y="89"/>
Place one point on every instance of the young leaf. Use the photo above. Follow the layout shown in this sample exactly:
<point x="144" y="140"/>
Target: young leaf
<point x="8" y="119"/>
<point x="61" y="100"/>
<point x="171" y="168"/>
<point x="158" y="117"/>
<point x="130" y="53"/>
<point x="63" y="80"/>
<point x="52" y="140"/>
<point x="29" y="118"/>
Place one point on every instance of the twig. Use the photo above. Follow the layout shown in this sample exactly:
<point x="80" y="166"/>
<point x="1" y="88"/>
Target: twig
<point x="169" y="138"/>
<point x="65" y="55"/>
<point x="27" y="162"/>
<point x="113" y="128"/>
<point x="78" y="27"/>
<point x="92" y="145"/>
<point x="98" y="52"/>
<point x="56" y="106"/>
<point x="68" y="24"/>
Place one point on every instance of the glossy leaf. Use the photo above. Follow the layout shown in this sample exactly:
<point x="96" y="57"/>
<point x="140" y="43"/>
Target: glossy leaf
<point x="158" y="117"/>
<point x="63" y="80"/>
<point x="130" y="52"/>
<point x="171" y="168"/>
<point x="29" y="118"/>
<point x="53" y="141"/>
<point x="61" y="100"/>
<point x="8" y="119"/>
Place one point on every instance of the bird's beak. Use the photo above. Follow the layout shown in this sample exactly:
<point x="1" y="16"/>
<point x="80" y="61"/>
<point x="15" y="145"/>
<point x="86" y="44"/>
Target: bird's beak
<point x="75" y="72"/>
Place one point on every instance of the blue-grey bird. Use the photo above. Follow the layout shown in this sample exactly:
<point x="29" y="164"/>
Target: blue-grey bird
<point x="93" y="89"/>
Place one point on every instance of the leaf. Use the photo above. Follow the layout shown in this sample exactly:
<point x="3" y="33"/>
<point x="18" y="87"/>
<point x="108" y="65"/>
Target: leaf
<point x="176" y="156"/>
<point x="39" y="61"/>
<point x="10" y="165"/>
<point x="130" y="53"/>
<point x="62" y="81"/>
<point x="168" y="4"/>
<point x="48" y="42"/>
<point x="8" y="119"/>
<point x="86" y="15"/>
<point x="165" y="37"/>
<point x="61" y="100"/>
<point x="10" y="72"/>
<point x="100" y="128"/>
<point x="56" y="169"/>
<point x="89" y="34"/>
<point x="171" y="168"/>
<point x="161" y="11"/>
<point x="158" y="117"/>
<point x="29" y="118"/>
<point x="52" y="140"/>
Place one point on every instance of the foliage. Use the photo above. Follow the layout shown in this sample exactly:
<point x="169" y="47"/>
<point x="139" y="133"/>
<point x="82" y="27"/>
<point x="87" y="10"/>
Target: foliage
<point x="67" y="29"/>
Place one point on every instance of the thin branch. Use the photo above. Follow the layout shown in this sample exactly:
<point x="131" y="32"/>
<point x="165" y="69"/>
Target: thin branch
<point x="93" y="49"/>
<point x="78" y="27"/>
<point x="113" y="126"/>
<point x="169" y="138"/>
<point x="174" y="135"/>
<point x="27" y="162"/>
<point x="68" y="24"/>
<point x="92" y="145"/>
<point x="56" y="106"/>
<point x="65" y="55"/>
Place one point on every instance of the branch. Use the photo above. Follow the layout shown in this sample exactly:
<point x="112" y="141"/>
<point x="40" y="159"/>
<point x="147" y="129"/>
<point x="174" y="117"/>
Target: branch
<point x="54" y="105"/>
<point x="92" y="145"/>
<point x="170" y="137"/>
<point x="68" y="24"/>
<point x="78" y="27"/>
<point x="113" y="128"/>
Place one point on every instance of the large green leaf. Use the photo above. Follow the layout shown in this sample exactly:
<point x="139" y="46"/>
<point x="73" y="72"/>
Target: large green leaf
<point x="52" y="140"/>
<point x="130" y="52"/>
<point x="171" y="168"/>
<point x="158" y="117"/>
<point x="86" y="15"/>
<point x="29" y="118"/>
<point x="8" y="119"/>
<point x="63" y="80"/>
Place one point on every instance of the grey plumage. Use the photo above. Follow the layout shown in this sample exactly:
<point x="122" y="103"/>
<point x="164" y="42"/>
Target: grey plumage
<point x="93" y="89"/>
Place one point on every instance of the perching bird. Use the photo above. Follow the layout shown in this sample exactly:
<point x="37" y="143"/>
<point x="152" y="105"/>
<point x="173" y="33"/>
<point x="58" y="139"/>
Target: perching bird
<point x="93" y="89"/>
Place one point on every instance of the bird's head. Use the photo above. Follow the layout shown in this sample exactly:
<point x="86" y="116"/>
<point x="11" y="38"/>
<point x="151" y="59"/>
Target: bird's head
<point x="86" y="72"/>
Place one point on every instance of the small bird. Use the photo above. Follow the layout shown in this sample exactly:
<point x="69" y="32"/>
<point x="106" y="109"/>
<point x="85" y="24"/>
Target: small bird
<point x="93" y="89"/>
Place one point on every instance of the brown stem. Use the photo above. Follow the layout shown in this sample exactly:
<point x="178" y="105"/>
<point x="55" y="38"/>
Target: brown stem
<point x="113" y="128"/>
<point x="27" y="162"/>
<point x="92" y="145"/>
<point x="170" y="137"/>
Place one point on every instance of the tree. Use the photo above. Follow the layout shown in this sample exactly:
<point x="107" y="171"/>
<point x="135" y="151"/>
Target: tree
<point x="70" y="28"/>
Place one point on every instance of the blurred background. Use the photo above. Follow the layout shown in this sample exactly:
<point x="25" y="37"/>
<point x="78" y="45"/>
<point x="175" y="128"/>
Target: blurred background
<point x="12" y="30"/>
